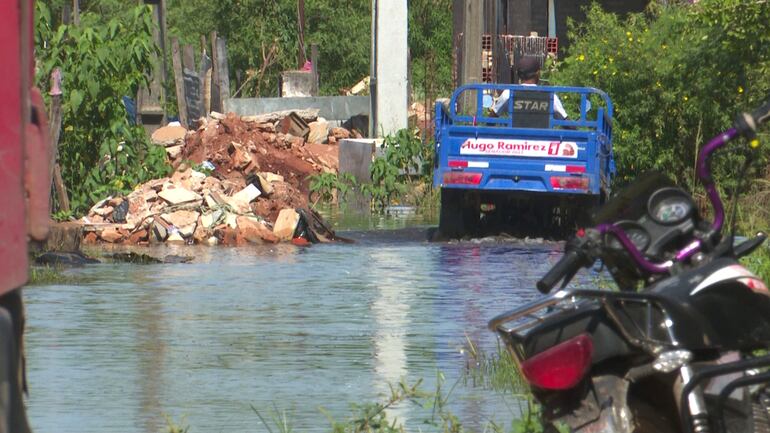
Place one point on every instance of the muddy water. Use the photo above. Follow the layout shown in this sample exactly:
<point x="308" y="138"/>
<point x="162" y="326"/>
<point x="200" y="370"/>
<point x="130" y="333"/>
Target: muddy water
<point x="277" y="326"/>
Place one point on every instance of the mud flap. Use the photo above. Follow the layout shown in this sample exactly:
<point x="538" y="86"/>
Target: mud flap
<point x="604" y="409"/>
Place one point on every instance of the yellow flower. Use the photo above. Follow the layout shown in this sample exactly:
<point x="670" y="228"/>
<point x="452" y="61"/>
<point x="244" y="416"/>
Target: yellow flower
<point x="604" y="67"/>
<point x="630" y="39"/>
<point x="657" y="83"/>
<point x="613" y="72"/>
<point x="686" y="98"/>
<point x="740" y="89"/>
<point x="664" y="46"/>
<point x="611" y="59"/>
<point x="628" y="34"/>
<point x="596" y="72"/>
<point x="581" y="57"/>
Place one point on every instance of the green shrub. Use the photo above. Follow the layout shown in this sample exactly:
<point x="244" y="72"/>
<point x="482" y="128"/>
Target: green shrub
<point x="101" y="61"/>
<point x="677" y="76"/>
<point x="324" y="186"/>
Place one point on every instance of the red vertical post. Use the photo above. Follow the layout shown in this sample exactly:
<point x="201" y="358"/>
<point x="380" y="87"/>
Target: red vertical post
<point x="13" y="233"/>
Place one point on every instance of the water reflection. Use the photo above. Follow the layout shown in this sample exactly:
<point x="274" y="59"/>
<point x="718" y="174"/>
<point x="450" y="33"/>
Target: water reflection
<point x="391" y="314"/>
<point x="297" y="328"/>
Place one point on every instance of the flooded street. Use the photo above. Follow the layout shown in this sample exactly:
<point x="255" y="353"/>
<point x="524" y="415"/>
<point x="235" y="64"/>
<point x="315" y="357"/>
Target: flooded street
<point x="271" y="326"/>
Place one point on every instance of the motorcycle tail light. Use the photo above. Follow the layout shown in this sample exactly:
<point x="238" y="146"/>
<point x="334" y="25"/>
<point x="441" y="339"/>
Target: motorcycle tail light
<point x="570" y="182"/>
<point x="462" y="178"/>
<point x="562" y="366"/>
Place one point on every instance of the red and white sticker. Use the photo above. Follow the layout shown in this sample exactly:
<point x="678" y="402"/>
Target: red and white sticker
<point x="532" y="148"/>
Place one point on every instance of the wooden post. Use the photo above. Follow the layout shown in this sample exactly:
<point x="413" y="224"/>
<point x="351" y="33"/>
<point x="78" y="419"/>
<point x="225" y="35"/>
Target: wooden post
<point x="188" y="57"/>
<point x="181" y="102"/>
<point x="76" y="12"/>
<point x="55" y="130"/>
<point x="471" y="63"/>
<point x="66" y="13"/>
<point x="301" y="33"/>
<point x="457" y="37"/>
<point x="224" y="71"/>
<point x="314" y="61"/>
<point x="205" y="77"/>
<point x="216" y="101"/>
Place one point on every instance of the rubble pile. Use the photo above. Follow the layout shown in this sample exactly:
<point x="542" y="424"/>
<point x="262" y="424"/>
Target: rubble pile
<point x="237" y="180"/>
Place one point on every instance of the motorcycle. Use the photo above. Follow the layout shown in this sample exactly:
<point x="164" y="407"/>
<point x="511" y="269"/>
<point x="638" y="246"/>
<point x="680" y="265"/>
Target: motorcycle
<point x="680" y="346"/>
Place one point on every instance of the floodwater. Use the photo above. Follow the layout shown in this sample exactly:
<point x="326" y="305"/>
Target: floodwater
<point x="287" y="330"/>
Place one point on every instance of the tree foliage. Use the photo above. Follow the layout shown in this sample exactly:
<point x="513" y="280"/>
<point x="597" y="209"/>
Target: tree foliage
<point x="677" y="75"/>
<point x="101" y="61"/>
<point x="430" y="47"/>
<point x="341" y="29"/>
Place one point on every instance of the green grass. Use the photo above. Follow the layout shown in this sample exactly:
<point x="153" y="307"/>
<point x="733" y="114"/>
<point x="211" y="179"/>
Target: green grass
<point x="759" y="263"/>
<point x="48" y="275"/>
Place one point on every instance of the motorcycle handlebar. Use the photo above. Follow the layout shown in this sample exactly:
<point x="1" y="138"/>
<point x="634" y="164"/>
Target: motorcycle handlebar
<point x="569" y="264"/>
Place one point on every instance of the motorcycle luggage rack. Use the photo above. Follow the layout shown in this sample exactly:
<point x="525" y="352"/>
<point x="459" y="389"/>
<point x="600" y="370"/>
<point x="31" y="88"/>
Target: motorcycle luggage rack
<point x="534" y="313"/>
<point x="721" y="370"/>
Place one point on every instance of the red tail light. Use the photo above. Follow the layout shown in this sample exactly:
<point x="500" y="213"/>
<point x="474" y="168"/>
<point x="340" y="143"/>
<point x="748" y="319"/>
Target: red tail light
<point x="462" y="178"/>
<point x="570" y="182"/>
<point x="457" y="164"/>
<point x="562" y="366"/>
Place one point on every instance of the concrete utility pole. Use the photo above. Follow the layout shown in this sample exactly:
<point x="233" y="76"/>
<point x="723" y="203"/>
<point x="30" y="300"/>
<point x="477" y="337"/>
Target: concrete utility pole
<point x="473" y="16"/>
<point x="390" y="88"/>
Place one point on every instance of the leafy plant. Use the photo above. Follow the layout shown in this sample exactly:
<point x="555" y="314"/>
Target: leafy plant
<point x="61" y="215"/>
<point x="404" y="151"/>
<point x="386" y="183"/>
<point x="101" y="152"/>
<point x="325" y="185"/>
<point x="407" y="163"/>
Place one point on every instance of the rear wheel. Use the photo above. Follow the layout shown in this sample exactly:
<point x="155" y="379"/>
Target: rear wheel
<point x="460" y="212"/>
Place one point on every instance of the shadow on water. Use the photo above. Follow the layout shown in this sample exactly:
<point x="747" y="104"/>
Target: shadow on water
<point x="300" y="328"/>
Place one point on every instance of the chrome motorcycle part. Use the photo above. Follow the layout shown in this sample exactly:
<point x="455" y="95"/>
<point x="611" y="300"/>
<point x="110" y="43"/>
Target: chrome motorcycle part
<point x="672" y="360"/>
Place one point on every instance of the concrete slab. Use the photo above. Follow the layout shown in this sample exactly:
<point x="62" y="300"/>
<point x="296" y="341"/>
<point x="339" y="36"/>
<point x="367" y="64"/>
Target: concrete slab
<point x="339" y="108"/>
<point x="356" y="157"/>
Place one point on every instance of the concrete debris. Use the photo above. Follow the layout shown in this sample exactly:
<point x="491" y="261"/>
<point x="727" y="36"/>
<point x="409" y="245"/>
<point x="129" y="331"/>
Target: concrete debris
<point x="309" y="115"/>
<point x="286" y="224"/>
<point x="339" y="133"/>
<point x="175" y="238"/>
<point x="360" y="88"/>
<point x="169" y="135"/>
<point x="111" y="235"/>
<point x="173" y="152"/>
<point x="237" y="180"/>
<point x="175" y="195"/>
<point x="319" y="132"/>
<point x="293" y="125"/>
<point x="265" y="186"/>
